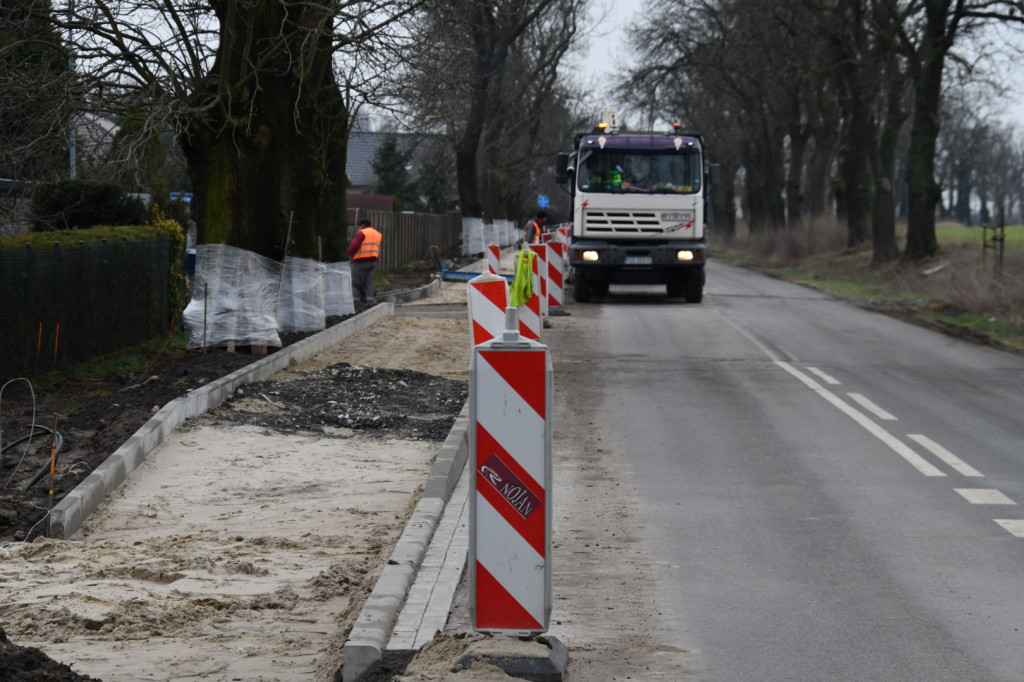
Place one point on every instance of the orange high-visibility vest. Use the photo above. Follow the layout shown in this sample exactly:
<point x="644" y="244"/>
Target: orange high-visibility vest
<point x="531" y="233"/>
<point x="370" y="248"/>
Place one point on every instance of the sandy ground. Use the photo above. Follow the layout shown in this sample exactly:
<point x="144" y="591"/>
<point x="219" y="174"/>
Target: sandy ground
<point x="239" y="555"/>
<point x="234" y="553"/>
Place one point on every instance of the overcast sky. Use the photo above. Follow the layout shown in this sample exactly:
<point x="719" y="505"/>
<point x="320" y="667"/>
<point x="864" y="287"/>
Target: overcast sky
<point x="609" y="55"/>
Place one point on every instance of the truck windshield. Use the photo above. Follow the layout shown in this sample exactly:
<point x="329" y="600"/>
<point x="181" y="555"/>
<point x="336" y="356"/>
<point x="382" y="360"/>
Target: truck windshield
<point x="639" y="171"/>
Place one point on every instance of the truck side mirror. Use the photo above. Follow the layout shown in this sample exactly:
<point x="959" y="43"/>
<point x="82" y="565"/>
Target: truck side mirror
<point x="715" y="174"/>
<point x="562" y="168"/>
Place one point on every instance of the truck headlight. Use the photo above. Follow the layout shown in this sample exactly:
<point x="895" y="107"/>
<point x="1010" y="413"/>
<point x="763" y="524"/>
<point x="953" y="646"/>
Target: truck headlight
<point x="684" y="255"/>
<point x="591" y="256"/>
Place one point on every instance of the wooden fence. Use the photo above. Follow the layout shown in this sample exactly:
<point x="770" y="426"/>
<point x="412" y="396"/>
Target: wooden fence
<point x="408" y="236"/>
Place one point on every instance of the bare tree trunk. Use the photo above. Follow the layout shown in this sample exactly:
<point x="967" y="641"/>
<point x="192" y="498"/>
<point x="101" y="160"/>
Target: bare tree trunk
<point x="856" y="175"/>
<point x="823" y="129"/>
<point x="884" y="246"/>
<point x="765" y="181"/>
<point x="882" y="157"/>
<point x="466" y="154"/>
<point x="923" y="190"/>
<point x="794" y="176"/>
<point x="271" y="150"/>
<point x="723" y="204"/>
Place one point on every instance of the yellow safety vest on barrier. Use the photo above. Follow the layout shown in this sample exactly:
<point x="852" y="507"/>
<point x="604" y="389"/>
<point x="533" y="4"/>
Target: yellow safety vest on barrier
<point x="522" y="285"/>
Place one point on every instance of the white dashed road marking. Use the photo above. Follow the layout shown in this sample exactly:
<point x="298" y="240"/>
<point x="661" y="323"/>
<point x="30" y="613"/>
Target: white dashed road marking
<point x="984" y="496"/>
<point x="1013" y="526"/>
<point x="871" y="407"/>
<point x="828" y="379"/>
<point x="896" y="445"/>
<point x="945" y="455"/>
<point x="974" y="495"/>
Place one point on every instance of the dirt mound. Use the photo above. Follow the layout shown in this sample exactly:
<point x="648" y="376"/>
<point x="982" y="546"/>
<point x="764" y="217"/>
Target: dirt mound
<point x="25" y="664"/>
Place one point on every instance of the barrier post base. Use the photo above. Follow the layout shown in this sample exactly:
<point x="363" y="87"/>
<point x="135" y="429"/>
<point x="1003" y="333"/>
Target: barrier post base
<point x="540" y="659"/>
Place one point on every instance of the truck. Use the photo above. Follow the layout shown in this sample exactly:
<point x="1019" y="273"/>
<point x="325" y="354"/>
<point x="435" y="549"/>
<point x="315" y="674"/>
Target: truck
<point x="639" y="210"/>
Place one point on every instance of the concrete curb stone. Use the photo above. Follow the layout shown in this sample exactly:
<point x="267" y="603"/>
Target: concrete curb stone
<point x="363" y="652"/>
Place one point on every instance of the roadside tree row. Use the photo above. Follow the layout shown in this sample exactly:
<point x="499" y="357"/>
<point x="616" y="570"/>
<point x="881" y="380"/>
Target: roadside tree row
<point x="824" y="108"/>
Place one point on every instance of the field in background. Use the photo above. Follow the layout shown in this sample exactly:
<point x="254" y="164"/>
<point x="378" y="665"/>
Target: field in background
<point x="960" y="290"/>
<point x="949" y="235"/>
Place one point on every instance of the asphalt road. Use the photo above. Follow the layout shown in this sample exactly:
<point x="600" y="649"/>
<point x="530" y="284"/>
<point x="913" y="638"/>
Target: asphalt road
<point x="823" y="493"/>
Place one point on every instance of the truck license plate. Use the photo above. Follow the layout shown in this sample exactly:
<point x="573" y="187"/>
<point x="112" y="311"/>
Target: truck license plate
<point x="638" y="260"/>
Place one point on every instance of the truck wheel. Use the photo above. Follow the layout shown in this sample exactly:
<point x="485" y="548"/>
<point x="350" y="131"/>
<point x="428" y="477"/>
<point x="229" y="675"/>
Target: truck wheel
<point x="581" y="291"/>
<point x="676" y="286"/>
<point x="694" y="286"/>
<point x="599" y="287"/>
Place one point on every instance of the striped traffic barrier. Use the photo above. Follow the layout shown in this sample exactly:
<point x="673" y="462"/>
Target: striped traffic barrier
<point x="540" y="268"/>
<point x="556" y="273"/>
<point x="530" y="320"/>
<point x="510" y="513"/>
<point x="565" y="233"/>
<point x="494" y="259"/>
<point x="488" y="299"/>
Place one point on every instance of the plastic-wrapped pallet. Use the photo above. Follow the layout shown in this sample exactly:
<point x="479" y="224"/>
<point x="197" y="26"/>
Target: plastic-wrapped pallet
<point x="301" y="308"/>
<point x="234" y="299"/>
<point x="472" y="236"/>
<point x="338" y="300"/>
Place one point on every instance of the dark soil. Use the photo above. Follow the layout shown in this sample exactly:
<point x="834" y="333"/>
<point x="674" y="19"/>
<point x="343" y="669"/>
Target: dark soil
<point x="32" y="665"/>
<point x="338" y="400"/>
<point x="95" y="416"/>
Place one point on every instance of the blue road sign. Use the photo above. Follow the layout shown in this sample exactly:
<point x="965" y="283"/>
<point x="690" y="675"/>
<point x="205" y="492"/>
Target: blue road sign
<point x="543" y="201"/>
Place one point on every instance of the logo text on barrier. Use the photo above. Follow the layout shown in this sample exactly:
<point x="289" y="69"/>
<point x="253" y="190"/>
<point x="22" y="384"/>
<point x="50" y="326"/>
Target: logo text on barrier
<point x="508" y="485"/>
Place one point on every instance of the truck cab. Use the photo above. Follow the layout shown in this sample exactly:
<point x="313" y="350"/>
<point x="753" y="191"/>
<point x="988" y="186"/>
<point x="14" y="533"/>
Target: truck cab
<point x="639" y="211"/>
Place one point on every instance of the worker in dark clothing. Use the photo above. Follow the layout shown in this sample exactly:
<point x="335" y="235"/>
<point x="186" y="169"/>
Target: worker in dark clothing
<point x="364" y="252"/>
<point x="535" y="228"/>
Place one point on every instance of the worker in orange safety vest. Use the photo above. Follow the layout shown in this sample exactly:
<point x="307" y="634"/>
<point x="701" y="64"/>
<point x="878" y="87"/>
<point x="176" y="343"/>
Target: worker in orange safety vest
<point x="535" y="228"/>
<point x="364" y="252"/>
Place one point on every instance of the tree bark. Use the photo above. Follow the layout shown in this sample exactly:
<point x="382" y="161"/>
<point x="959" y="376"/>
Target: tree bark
<point x="856" y="176"/>
<point x="883" y="164"/>
<point x="794" y="174"/>
<point x="921" y="186"/>
<point x="722" y="204"/>
<point x="765" y="180"/>
<point x="266" y="149"/>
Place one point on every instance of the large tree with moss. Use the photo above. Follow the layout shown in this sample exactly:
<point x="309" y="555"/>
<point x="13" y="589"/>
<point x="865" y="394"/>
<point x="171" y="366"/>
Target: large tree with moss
<point x="258" y="94"/>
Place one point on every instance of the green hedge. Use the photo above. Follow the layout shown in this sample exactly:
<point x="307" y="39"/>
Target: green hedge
<point x="71" y="296"/>
<point x="80" y="204"/>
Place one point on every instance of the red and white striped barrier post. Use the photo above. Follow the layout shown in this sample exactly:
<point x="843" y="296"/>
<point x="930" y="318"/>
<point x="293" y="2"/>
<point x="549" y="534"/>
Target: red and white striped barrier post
<point x="530" y="320"/>
<point x="488" y="301"/>
<point x="540" y="268"/>
<point x="494" y="259"/>
<point x="510" y="493"/>
<point x="565" y="233"/>
<point x="556" y="270"/>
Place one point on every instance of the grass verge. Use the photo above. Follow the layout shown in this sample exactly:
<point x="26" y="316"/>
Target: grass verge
<point x="959" y="291"/>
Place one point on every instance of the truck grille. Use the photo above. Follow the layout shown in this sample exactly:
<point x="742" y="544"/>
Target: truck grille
<point x="622" y="223"/>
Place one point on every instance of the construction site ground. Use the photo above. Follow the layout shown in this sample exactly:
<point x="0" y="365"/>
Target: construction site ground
<point x="248" y="541"/>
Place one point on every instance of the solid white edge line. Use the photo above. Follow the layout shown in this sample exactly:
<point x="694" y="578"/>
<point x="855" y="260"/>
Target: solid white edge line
<point x="828" y="379"/>
<point x="945" y="455"/>
<point x="871" y="407"/>
<point x="915" y="460"/>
